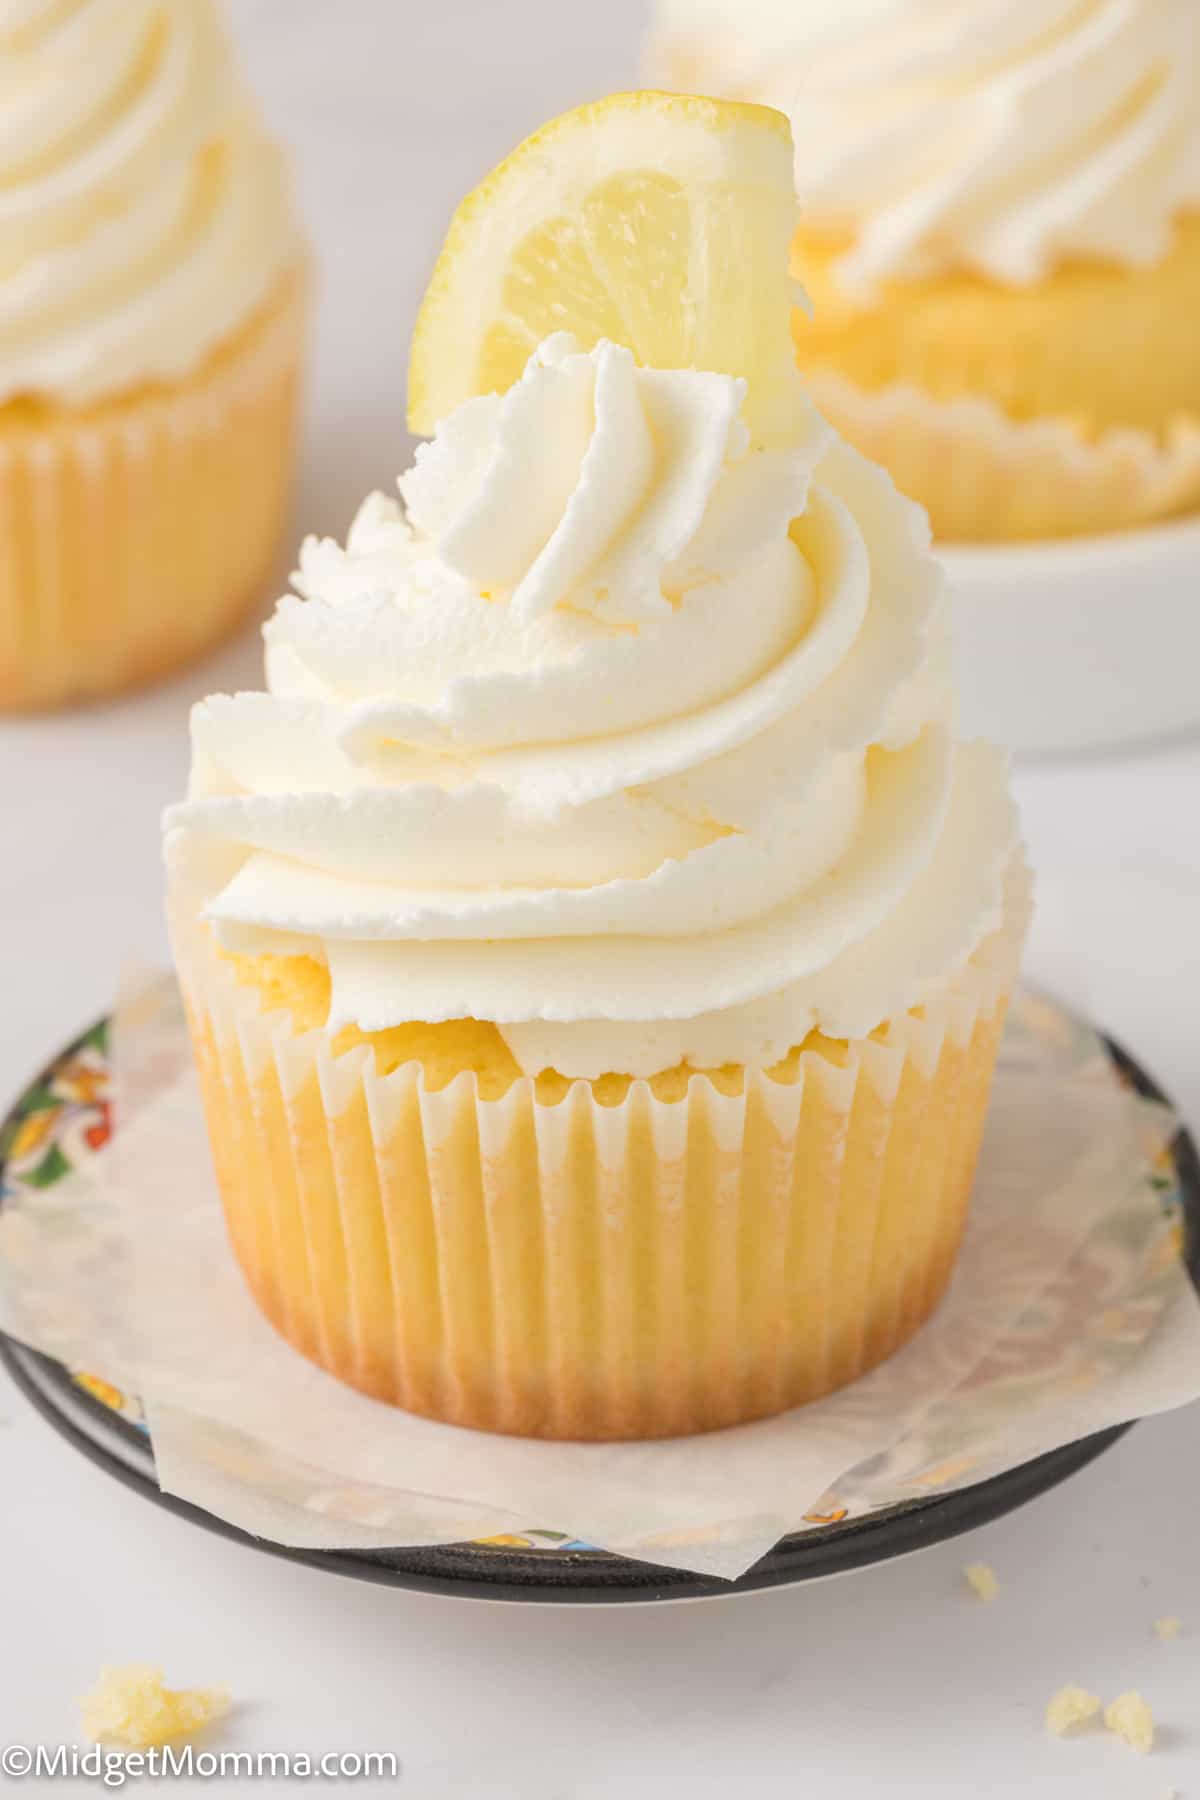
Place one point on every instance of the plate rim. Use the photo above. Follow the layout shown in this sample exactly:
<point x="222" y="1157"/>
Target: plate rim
<point x="817" y="1555"/>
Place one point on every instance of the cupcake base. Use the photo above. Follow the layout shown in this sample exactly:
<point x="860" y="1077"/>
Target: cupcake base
<point x="1109" y="346"/>
<point x="137" y="534"/>
<point x="584" y="1270"/>
<point x="1069" y="406"/>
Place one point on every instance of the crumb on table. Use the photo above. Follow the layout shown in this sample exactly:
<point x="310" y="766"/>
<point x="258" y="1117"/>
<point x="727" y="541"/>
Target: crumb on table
<point x="983" y="1580"/>
<point x="1132" y="1720"/>
<point x="1168" y="1628"/>
<point x="130" y="1709"/>
<point x="1070" y="1707"/>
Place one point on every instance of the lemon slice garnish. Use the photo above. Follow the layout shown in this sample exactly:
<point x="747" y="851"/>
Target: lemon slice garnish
<point x="658" y="221"/>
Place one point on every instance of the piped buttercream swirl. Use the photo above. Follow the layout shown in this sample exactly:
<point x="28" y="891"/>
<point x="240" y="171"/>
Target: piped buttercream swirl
<point x="144" y="213"/>
<point x="621" y="734"/>
<point x="1001" y="136"/>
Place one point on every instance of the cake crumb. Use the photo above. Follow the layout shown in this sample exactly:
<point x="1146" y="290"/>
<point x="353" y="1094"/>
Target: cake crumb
<point x="983" y="1580"/>
<point x="130" y="1709"/>
<point x="1168" y="1629"/>
<point x="1071" y="1706"/>
<point x="1132" y="1720"/>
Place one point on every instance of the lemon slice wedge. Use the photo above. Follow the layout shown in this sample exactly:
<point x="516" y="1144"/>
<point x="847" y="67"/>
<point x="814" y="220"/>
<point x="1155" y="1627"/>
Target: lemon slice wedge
<point x="659" y="221"/>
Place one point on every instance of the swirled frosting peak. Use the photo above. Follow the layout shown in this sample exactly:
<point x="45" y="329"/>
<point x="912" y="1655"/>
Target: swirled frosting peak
<point x="144" y="214"/>
<point x="589" y="482"/>
<point x="999" y="135"/>
<point x="620" y="734"/>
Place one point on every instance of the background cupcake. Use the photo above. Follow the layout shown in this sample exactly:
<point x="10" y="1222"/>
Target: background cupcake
<point x="595" y="941"/>
<point x="151" y="302"/>
<point x="1000" y="239"/>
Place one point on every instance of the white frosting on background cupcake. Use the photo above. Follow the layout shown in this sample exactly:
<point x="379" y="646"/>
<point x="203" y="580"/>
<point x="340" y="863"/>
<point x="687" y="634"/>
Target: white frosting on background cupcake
<point x="627" y="737"/>
<point x="999" y="135"/>
<point x="144" y="213"/>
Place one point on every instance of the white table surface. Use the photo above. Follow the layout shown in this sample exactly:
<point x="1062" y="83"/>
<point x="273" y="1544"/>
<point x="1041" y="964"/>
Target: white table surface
<point x="894" y="1682"/>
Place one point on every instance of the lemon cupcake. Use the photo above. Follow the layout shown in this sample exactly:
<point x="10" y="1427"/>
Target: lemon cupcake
<point x="594" y="939"/>
<point x="151" y="303"/>
<point x="1000" y="239"/>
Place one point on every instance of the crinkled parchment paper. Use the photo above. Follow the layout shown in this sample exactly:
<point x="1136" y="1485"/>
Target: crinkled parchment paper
<point x="1070" y="1310"/>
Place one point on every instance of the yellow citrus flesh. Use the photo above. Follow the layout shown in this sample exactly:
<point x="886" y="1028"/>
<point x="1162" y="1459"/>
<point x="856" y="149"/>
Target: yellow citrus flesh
<point x="659" y="221"/>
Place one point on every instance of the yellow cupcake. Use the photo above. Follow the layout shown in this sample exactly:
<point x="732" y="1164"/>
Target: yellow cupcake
<point x="594" y="940"/>
<point x="1000" y="241"/>
<point x="152" y="302"/>
<point x="591" y="1259"/>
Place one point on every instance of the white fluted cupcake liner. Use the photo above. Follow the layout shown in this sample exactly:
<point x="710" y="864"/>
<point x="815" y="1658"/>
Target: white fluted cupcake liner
<point x="137" y="533"/>
<point x="984" y="476"/>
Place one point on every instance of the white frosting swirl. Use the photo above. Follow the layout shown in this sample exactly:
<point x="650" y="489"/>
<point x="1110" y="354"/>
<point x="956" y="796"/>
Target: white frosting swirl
<point x="144" y="214"/>
<point x="1001" y="136"/>
<point x="630" y="738"/>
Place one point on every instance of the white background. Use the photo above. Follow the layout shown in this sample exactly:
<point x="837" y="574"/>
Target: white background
<point x="894" y="1682"/>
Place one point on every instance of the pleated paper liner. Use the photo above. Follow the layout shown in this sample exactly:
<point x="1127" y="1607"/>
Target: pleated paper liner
<point x="136" y="534"/>
<point x="987" y="478"/>
<point x="580" y="1270"/>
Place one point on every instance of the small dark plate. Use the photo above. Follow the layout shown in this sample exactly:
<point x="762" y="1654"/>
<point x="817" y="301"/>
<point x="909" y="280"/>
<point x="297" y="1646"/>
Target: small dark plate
<point x="69" y="1105"/>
